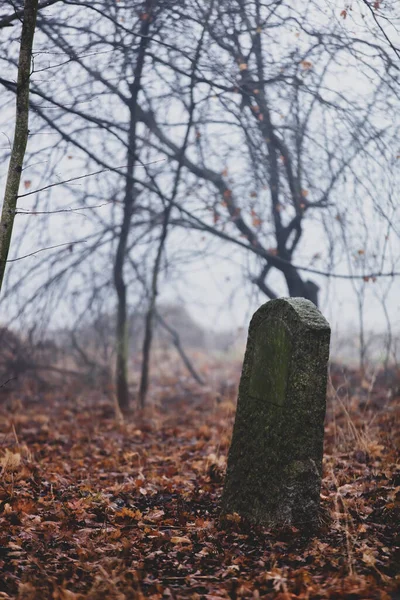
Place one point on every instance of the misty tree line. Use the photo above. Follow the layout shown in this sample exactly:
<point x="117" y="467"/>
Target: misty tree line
<point x="174" y="127"/>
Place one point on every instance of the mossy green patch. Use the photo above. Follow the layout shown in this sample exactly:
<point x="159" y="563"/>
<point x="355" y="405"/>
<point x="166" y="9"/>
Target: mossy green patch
<point x="271" y="362"/>
<point x="275" y="459"/>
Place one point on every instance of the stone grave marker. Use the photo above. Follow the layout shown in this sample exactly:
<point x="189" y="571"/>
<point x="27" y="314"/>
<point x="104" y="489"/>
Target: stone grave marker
<point x="275" y="459"/>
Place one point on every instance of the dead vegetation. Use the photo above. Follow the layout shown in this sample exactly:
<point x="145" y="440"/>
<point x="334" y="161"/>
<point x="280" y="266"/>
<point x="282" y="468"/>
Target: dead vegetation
<point x="92" y="507"/>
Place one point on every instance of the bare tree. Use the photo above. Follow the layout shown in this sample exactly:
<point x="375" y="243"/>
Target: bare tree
<point x="165" y="224"/>
<point x="300" y="138"/>
<point x="275" y="138"/>
<point x="129" y="204"/>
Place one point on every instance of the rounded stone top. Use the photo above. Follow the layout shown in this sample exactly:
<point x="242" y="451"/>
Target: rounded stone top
<point x="301" y="309"/>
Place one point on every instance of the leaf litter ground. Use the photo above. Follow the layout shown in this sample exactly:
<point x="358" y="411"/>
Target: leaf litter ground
<point x="98" y="508"/>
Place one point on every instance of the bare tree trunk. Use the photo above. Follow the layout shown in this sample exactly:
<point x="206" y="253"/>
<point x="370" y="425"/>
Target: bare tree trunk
<point x="389" y="337"/>
<point x="361" y="334"/>
<point x="20" y="134"/>
<point x="148" y="331"/>
<point x="299" y="288"/>
<point x="122" y="346"/>
<point x="148" y="336"/>
<point x="119" y="282"/>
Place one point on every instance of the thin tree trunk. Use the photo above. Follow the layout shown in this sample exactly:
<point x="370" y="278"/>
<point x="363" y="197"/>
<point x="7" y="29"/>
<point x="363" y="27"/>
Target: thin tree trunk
<point x="361" y="335"/>
<point x="122" y="346"/>
<point x="148" y="331"/>
<point x="148" y="335"/>
<point x="20" y="134"/>
<point x="389" y="339"/>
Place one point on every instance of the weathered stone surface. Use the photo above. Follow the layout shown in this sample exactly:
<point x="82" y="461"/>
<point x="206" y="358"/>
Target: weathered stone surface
<point x="275" y="459"/>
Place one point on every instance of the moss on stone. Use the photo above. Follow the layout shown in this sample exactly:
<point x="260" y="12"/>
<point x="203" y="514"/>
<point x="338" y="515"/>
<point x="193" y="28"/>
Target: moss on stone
<point x="275" y="459"/>
<point x="271" y="362"/>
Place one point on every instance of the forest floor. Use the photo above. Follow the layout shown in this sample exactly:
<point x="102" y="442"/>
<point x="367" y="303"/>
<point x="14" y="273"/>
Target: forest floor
<point x="99" y="508"/>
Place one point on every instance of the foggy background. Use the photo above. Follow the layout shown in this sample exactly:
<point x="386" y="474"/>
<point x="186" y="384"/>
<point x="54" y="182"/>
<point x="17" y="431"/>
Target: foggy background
<point x="330" y="99"/>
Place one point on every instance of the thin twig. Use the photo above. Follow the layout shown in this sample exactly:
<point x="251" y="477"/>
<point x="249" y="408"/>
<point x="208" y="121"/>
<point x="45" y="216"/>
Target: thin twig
<point x="46" y="187"/>
<point x="48" y="248"/>
<point x="61" y="210"/>
<point x="8" y="381"/>
<point x="385" y="35"/>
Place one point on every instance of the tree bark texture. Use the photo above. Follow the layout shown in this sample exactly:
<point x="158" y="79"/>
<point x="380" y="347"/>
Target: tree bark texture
<point x="20" y="133"/>
<point x="122" y="346"/>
